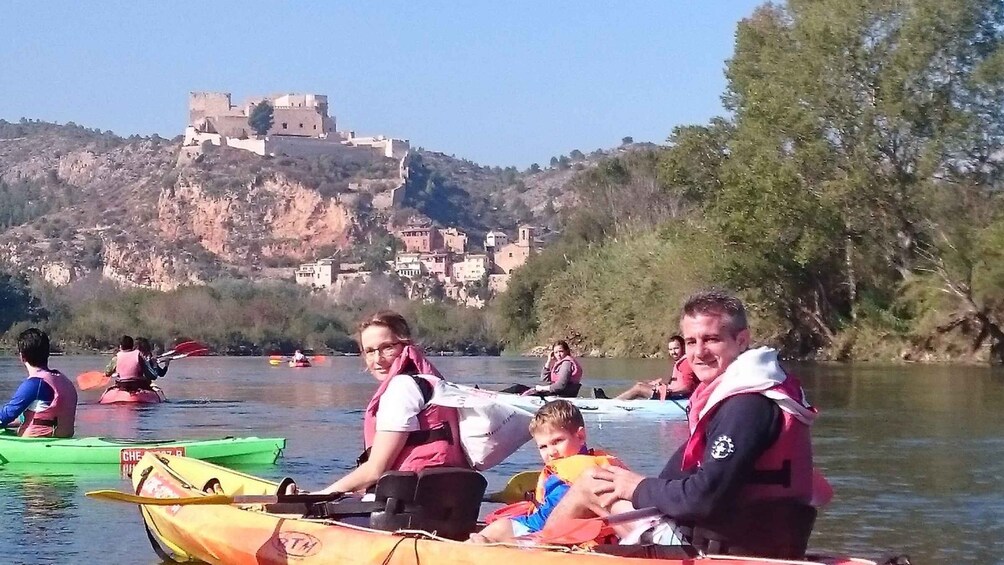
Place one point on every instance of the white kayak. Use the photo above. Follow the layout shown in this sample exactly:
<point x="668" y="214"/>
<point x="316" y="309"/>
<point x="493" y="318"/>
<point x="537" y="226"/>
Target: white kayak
<point x="662" y="409"/>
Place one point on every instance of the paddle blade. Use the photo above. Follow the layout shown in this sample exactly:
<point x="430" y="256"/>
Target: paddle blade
<point x="213" y="499"/>
<point x="517" y="489"/>
<point x="125" y="497"/>
<point x="189" y="346"/>
<point x="92" y="379"/>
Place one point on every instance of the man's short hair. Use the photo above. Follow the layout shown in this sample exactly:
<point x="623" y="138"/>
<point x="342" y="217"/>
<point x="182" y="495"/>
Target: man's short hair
<point x="557" y="414"/>
<point x="717" y="302"/>
<point x="126" y="343"/>
<point x="33" y="346"/>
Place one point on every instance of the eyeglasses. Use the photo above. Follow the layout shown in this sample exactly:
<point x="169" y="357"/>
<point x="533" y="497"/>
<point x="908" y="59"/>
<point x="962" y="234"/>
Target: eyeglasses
<point x="385" y="350"/>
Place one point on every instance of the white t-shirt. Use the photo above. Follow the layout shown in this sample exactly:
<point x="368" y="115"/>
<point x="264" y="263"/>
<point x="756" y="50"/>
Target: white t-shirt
<point x="399" y="406"/>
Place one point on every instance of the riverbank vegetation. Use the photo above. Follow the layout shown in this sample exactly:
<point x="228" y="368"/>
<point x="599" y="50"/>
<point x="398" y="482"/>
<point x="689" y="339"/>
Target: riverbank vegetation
<point x="233" y="317"/>
<point x="851" y="195"/>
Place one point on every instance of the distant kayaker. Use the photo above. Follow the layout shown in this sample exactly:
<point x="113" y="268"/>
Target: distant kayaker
<point x="744" y="481"/>
<point x="299" y="357"/>
<point x="401" y="430"/>
<point x="681" y="382"/>
<point x="46" y="401"/>
<point x="152" y="368"/>
<point x="561" y="374"/>
<point x="560" y="435"/>
<point x="130" y="371"/>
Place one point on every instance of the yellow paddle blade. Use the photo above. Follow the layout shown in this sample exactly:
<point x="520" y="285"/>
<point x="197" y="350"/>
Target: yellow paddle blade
<point x="128" y="498"/>
<point x="516" y="489"/>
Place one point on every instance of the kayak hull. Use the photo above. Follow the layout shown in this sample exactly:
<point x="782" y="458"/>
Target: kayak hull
<point x="232" y="534"/>
<point x="661" y="409"/>
<point x="118" y="396"/>
<point x="299" y="364"/>
<point x="95" y="451"/>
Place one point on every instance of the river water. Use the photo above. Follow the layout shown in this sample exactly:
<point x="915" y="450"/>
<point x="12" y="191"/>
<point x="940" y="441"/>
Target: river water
<point x="916" y="454"/>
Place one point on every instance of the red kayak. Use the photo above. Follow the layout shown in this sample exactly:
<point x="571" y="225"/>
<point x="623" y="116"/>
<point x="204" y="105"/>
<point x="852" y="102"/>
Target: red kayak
<point x="299" y="364"/>
<point x="115" y="395"/>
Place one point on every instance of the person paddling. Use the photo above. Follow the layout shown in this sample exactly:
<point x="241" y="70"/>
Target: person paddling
<point x="401" y="430"/>
<point x="743" y="483"/>
<point x="152" y="368"/>
<point x="131" y="372"/>
<point x="46" y="400"/>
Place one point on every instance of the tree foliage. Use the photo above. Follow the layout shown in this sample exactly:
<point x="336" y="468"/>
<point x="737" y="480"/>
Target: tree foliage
<point x="261" y="117"/>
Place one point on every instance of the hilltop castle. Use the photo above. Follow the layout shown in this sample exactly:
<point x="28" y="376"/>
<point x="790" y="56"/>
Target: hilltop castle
<point x="301" y="127"/>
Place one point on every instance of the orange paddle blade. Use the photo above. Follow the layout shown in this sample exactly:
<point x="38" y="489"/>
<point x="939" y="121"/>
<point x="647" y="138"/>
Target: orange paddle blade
<point x="92" y="379"/>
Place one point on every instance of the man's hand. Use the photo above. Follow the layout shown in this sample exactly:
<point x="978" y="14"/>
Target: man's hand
<point x="614" y="483"/>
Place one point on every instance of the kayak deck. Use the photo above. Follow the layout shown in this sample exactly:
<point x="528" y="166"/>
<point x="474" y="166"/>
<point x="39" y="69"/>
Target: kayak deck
<point x="249" y="534"/>
<point x="607" y="407"/>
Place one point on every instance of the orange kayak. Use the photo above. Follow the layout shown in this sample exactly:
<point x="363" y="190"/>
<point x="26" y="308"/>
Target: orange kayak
<point x="248" y="534"/>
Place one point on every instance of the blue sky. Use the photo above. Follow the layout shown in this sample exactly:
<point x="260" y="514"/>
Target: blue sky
<point x="502" y="83"/>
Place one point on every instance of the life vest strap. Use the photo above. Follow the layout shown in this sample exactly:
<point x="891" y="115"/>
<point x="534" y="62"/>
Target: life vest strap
<point x="780" y="476"/>
<point x="418" y="437"/>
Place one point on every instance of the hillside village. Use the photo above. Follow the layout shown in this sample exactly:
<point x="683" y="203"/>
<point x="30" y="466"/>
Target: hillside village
<point x="441" y="256"/>
<point x="431" y="256"/>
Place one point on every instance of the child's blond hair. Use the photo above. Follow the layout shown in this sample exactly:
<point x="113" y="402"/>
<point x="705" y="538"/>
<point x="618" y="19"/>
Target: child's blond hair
<point x="557" y="414"/>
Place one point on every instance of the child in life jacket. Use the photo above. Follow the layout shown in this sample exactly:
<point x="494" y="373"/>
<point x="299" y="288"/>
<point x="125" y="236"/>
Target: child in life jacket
<point x="560" y="434"/>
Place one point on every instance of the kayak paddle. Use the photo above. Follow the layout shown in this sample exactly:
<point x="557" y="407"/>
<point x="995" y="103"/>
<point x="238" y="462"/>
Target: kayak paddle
<point x="574" y="531"/>
<point x="177" y="356"/>
<point x="516" y="489"/>
<point x="183" y="347"/>
<point x="92" y="379"/>
<point x="212" y="499"/>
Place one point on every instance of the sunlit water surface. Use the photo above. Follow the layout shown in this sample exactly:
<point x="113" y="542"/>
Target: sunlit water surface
<point x="916" y="454"/>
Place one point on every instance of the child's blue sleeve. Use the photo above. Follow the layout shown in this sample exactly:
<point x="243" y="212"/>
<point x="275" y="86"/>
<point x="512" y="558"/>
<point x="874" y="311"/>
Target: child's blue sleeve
<point x="554" y="491"/>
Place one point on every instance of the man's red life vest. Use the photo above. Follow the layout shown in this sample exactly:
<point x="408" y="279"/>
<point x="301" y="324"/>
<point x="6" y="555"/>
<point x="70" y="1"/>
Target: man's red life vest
<point x="682" y="372"/>
<point x="784" y="470"/>
<point x="575" y="377"/>
<point x="56" y="420"/>
<point x="437" y="441"/>
<point x="128" y="365"/>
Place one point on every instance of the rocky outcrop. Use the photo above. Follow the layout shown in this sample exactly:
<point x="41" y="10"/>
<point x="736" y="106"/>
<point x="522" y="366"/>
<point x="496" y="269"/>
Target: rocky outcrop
<point x="272" y="217"/>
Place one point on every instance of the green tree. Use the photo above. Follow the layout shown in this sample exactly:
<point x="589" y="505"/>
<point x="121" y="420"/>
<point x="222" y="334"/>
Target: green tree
<point x="260" y="118"/>
<point x="17" y="302"/>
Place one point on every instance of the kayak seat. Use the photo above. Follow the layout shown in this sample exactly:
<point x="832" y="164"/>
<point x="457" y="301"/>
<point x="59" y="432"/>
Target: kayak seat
<point x="777" y="529"/>
<point x="443" y="500"/>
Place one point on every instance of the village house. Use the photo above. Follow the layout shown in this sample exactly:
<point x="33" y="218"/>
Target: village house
<point x="510" y="256"/>
<point x="472" y="268"/>
<point x="320" y="274"/>
<point x="436" y="264"/>
<point x="421" y="239"/>
<point x="408" y="265"/>
<point x="328" y="273"/>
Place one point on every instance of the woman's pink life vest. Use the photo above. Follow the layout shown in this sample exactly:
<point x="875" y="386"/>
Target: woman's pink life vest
<point x="784" y="470"/>
<point x="56" y="420"/>
<point x="128" y="365"/>
<point x="575" y="377"/>
<point x="437" y="442"/>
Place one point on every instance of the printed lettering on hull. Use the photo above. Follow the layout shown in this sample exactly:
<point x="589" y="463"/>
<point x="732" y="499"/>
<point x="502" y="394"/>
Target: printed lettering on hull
<point x="129" y="456"/>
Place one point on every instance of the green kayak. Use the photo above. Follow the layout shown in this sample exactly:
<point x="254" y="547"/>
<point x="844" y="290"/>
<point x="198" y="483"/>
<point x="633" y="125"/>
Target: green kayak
<point x="125" y="453"/>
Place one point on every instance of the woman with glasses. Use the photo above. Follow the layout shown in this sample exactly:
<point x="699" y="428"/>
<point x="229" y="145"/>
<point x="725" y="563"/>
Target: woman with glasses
<point x="401" y="430"/>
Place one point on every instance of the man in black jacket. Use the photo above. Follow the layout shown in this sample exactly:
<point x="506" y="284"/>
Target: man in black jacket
<point x="743" y="481"/>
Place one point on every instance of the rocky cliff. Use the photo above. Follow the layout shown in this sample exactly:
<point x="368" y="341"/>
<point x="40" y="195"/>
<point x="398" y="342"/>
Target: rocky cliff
<point x="76" y="202"/>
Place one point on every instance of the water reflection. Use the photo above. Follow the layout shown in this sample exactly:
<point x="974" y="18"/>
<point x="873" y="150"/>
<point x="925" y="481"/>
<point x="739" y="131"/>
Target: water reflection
<point x="915" y="454"/>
